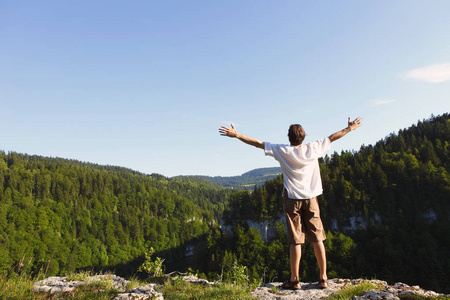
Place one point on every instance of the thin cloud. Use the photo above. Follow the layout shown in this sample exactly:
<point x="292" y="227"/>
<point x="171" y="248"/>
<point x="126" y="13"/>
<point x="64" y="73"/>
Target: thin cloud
<point x="382" y="102"/>
<point x="434" y="73"/>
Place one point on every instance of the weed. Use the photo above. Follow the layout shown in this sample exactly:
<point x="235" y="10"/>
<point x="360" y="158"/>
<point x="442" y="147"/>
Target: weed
<point x="153" y="268"/>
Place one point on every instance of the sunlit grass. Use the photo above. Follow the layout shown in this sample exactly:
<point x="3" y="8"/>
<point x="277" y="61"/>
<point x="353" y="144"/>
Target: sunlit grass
<point x="354" y="290"/>
<point x="179" y="290"/>
<point x="17" y="287"/>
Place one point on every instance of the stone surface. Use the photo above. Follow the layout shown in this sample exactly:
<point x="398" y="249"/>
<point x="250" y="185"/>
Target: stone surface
<point x="195" y="279"/>
<point x="307" y="291"/>
<point x="56" y="285"/>
<point x="310" y="291"/>
<point x="141" y="293"/>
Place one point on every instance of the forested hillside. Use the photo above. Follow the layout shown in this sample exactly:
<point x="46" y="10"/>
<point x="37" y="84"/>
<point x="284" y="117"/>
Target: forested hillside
<point x="387" y="207"/>
<point x="60" y="215"/>
<point x="248" y="180"/>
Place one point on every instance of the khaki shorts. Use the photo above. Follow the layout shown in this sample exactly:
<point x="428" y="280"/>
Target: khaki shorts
<point x="303" y="218"/>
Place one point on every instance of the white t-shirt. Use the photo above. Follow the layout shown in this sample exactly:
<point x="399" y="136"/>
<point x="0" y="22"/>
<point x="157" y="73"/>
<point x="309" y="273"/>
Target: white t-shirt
<point x="300" y="165"/>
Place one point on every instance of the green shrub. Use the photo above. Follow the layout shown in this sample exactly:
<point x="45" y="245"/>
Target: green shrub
<point x="153" y="268"/>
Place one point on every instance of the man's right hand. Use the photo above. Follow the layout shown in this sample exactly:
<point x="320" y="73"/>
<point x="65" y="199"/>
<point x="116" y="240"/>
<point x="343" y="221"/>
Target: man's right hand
<point x="352" y="125"/>
<point x="355" y="123"/>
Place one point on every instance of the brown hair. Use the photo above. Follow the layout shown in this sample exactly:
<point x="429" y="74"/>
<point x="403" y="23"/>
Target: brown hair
<point x="296" y="134"/>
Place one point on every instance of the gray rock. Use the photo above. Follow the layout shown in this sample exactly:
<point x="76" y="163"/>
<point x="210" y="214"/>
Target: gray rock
<point x="195" y="279"/>
<point x="149" y="291"/>
<point x="56" y="285"/>
<point x="307" y="291"/>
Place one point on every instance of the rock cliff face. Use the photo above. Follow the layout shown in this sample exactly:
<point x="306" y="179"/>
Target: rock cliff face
<point x="308" y="291"/>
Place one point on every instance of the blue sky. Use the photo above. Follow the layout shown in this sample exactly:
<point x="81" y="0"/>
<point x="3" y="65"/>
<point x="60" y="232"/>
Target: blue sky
<point x="146" y="84"/>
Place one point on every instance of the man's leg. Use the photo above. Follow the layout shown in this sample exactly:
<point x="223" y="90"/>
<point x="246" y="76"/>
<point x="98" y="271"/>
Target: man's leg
<point x="295" y="257"/>
<point x="296" y="236"/>
<point x="321" y="256"/>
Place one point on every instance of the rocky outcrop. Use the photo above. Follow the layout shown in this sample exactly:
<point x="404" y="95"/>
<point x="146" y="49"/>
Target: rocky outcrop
<point x="307" y="291"/>
<point x="56" y="285"/>
<point x="312" y="291"/>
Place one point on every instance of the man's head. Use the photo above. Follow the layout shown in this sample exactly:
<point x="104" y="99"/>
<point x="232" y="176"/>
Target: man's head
<point x="296" y="134"/>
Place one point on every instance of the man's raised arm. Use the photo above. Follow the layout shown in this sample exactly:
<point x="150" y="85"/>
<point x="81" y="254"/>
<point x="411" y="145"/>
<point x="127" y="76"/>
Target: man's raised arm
<point x="231" y="132"/>
<point x="352" y="125"/>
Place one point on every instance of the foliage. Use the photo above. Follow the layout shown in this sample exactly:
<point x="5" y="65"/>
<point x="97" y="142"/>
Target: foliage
<point x="59" y="215"/>
<point x="153" y="268"/>
<point x="237" y="274"/>
<point x="16" y="287"/>
<point x="393" y="199"/>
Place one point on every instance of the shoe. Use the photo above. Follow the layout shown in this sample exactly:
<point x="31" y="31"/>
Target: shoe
<point x="323" y="283"/>
<point x="289" y="285"/>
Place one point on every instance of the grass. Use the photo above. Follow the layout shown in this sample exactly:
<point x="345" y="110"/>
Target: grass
<point x="353" y="290"/>
<point x="18" y="287"/>
<point x="180" y="290"/>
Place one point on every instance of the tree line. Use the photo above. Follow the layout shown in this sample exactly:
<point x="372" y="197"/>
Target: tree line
<point x="61" y="215"/>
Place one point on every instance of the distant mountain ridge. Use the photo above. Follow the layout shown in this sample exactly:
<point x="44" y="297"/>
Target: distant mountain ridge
<point x="250" y="179"/>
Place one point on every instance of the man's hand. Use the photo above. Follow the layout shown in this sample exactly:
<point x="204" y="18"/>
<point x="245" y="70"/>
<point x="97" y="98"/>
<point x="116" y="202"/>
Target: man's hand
<point x="355" y="124"/>
<point x="230" y="132"/>
<point x="352" y="125"/>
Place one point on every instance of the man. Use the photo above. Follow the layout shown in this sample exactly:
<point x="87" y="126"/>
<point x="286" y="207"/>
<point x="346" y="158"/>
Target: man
<point x="302" y="184"/>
